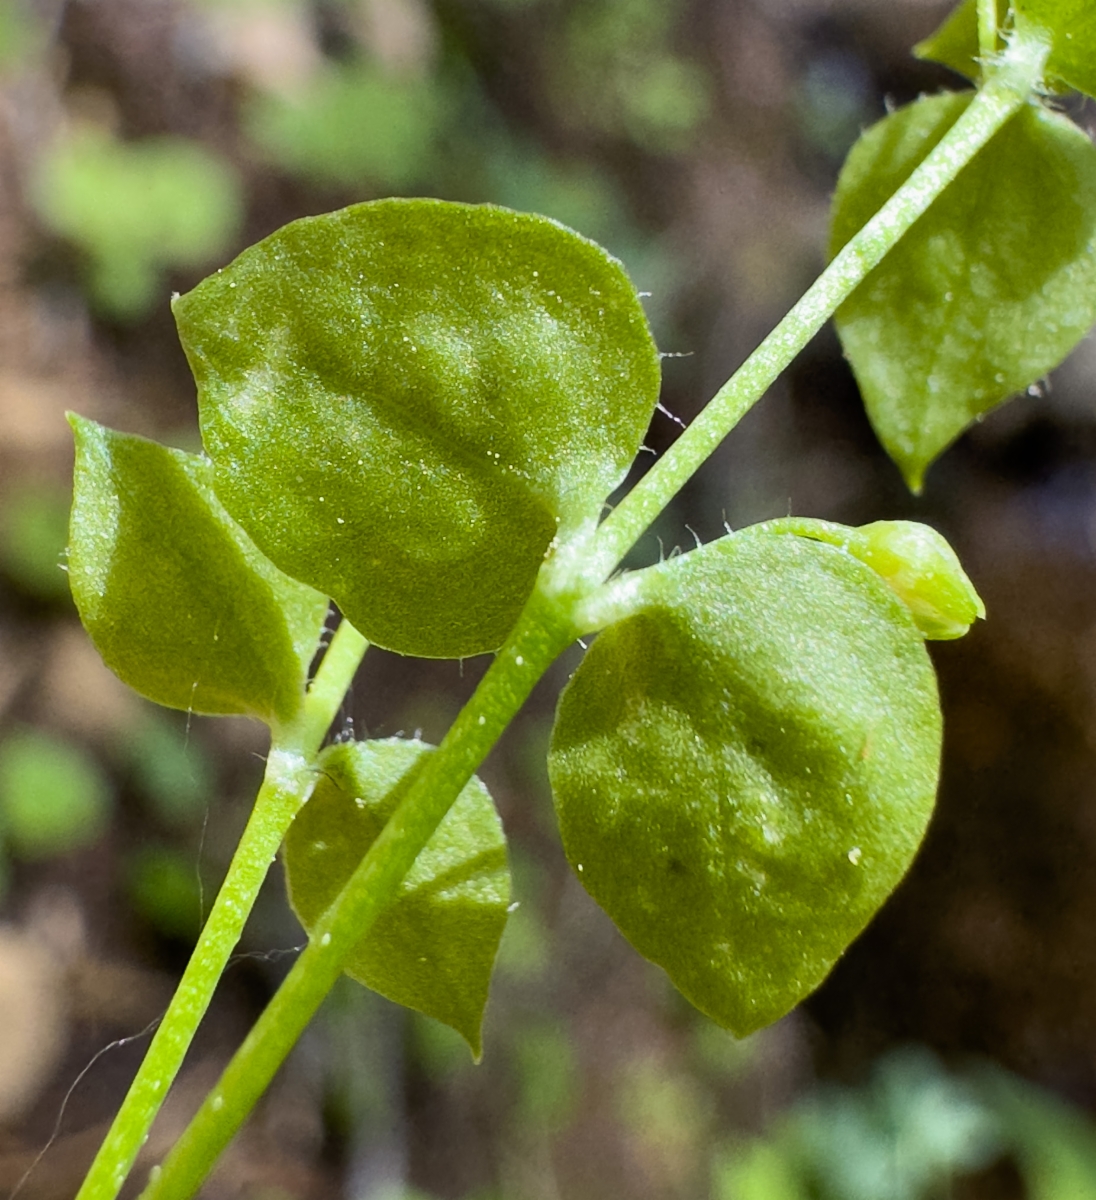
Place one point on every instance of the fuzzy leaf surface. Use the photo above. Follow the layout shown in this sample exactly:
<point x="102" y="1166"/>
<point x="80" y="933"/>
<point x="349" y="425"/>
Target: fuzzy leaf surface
<point x="744" y="769"/>
<point x="175" y="596"/>
<point x="434" y="949"/>
<point x="406" y="400"/>
<point x="986" y="293"/>
<point x="1070" y="25"/>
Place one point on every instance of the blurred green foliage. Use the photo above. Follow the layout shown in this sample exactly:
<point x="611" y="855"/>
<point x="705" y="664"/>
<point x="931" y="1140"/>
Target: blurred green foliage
<point x="33" y="535"/>
<point x="20" y="35"/>
<point x="54" y="797"/>
<point x="353" y="122"/>
<point x="164" y="889"/>
<point x="616" y="74"/>
<point x="908" y="1132"/>
<point x="136" y="209"/>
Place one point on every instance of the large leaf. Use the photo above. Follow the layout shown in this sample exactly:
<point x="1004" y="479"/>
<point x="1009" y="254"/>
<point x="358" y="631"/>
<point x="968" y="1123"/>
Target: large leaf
<point x="434" y="949"/>
<point x="408" y="400"/>
<point x="986" y="293"/>
<point x="176" y="598"/>
<point x="744" y="770"/>
<point x="1070" y="26"/>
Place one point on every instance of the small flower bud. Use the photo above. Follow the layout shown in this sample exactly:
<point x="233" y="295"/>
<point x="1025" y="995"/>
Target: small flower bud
<point x="924" y="571"/>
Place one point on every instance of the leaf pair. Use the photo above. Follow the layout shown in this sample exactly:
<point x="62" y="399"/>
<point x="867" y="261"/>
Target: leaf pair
<point x="996" y="283"/>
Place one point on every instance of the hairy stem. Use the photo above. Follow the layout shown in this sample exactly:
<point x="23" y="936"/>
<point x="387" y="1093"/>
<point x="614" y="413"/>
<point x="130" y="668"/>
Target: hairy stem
<point x="540" y="635"/>
<point x="1006" y="91"/>
<point x="544" y="631"/>
<point x="286" y="785"/>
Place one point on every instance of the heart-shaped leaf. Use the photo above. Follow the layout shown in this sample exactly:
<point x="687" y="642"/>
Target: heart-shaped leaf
<point x="988" y="291"/>
<point x="1070" y="26"/>
<point x="408" y="400"/>
<point x="175" y="596"/>
<point x="744" y="769"/>
<point x="434" y="949"/>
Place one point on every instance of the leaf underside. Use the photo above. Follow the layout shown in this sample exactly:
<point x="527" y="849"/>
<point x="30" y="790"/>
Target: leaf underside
<point x="986" y="293"/>
<point x="434" y="949"/>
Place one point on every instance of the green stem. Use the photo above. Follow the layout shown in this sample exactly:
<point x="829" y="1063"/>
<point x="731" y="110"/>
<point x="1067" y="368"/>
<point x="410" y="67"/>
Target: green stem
<point x="1004" y="94"/>
<point x="542" y="633"/>
<point x="987" y="29"/>
<point x="539" y="636"/>
<point x="286" y="785"/>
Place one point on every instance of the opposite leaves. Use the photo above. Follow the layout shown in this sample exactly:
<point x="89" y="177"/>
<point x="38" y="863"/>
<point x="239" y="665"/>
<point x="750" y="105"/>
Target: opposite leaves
<point x="408" y="400"/>
<point x="744" y="769"/>
<point x="986" y="293"/>
<point x="176" y="598"/>
<point x="434" y="949"/>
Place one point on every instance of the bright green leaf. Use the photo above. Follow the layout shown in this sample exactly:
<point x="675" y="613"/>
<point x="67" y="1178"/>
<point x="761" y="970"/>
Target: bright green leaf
<point x="955" y="43"/>
<point x="53" y="796"/>
<point x="177" y="600"/>
<point x="744" y="768"/>
<point x="1070" y="26"/>
<point x="407" y="400"/>
<point x="434" y="949"/>
<point x="986" y="293"/>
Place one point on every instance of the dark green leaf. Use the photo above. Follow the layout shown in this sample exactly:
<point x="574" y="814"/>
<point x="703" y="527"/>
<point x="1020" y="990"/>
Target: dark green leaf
<point x="434" y="949"/>
<point x="407" y="400"/>
<point x="744" y="769"/>
<point x="986" y="293"/>
<point x="955" y="43"/>
<point x="1070" y="26"/>
<point x="177" y="600"/>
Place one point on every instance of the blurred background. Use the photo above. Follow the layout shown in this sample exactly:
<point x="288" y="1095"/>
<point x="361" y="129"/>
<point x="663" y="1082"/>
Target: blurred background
<point x="953" y="1051"/>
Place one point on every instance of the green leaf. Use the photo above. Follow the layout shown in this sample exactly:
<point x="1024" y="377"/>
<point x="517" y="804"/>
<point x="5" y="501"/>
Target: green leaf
<point x="53" y="796"/>
<point x="1070" y="26"/>
<point x="986" y="293"/>
<point x="177" y="600"/>
<point x="955" y="43"/>
<point x="407" y="400"/>
<point x="744" y="768"/>
<point x="434" y="949"/>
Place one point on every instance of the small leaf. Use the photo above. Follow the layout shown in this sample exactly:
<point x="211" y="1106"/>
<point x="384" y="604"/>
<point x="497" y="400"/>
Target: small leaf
<point x="955" y="43"/>
<point x="1070" y="26"/>
<point x="986" y="293"/>
<point x="176" y="598"/>
<point x="407" y="400"/>
<point x="434" y="949"/>
<point x="744" y="769"/>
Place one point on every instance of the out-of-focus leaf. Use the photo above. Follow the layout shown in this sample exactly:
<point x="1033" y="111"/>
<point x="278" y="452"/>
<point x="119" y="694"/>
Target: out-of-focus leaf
<point x="53" y="796"/>
<point x="955" y="43"/>
<point x="137" y="209"/>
